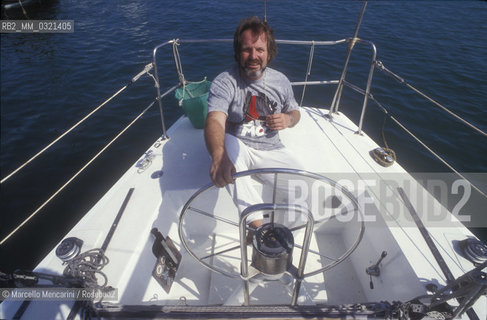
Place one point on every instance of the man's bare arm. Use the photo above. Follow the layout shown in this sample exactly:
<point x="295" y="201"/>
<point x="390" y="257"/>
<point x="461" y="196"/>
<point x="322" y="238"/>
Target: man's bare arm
<point x="222" y="168"/>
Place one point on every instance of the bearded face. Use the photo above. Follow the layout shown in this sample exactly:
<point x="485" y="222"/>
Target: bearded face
<point x="254" y="54"/>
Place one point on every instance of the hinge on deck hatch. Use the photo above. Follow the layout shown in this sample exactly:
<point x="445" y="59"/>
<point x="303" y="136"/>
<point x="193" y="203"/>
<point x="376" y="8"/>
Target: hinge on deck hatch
<point x="168" y="259"/>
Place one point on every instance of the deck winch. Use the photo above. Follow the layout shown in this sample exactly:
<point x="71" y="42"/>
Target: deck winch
<point x="69" y="248"/>
<point x="272" y="249"/>
<point x="474" y="250"/>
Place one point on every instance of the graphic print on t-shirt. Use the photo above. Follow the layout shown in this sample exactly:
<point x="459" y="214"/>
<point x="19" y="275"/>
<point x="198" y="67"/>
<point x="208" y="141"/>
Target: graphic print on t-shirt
<point x="256" y="108"/>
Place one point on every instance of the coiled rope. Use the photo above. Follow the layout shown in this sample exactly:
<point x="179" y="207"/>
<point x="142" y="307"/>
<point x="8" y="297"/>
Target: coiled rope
<point x="146" y="69"/>
<point x="87" y="267"/>
<point x="76" y="174"/>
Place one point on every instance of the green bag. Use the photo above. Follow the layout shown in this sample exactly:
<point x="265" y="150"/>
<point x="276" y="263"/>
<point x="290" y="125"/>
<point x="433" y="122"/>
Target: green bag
<point x="192" y="97"/>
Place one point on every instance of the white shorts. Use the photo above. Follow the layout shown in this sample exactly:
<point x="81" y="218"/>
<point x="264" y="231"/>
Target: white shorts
<point x="245" y="158"/>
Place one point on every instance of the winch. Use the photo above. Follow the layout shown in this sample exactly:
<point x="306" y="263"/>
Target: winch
<point x="69" y="248"/>
<point x="272" y="252"/>
<point x="474" y="250"/>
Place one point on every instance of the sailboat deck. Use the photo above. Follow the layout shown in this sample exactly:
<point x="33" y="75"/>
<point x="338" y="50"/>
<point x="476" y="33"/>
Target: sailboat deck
<point x="167" y="175"/>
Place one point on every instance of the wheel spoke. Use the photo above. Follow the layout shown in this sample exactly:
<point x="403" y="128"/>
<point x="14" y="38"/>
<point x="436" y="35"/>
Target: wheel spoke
<point x="274" y="191"/>
<point x="229" y="268"/>
<point x="213" y="216"/>
<point x="220" y="252"/>
<point x="315" y="252"/>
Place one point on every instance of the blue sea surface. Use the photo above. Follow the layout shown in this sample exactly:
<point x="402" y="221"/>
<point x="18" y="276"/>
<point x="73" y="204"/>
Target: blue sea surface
<point x="50" y="81"/>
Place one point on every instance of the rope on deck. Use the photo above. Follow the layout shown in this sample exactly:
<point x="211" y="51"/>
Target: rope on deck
<point x="146" y="69"/>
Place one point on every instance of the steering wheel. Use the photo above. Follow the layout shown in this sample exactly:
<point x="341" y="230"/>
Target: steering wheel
<point x="230" y="266"/>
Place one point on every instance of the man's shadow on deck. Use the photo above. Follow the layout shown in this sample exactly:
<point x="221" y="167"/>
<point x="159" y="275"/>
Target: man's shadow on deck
<point x="185" y="170"/>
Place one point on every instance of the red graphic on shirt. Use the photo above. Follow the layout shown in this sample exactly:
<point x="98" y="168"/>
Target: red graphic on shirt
<point x="252" y="114"/>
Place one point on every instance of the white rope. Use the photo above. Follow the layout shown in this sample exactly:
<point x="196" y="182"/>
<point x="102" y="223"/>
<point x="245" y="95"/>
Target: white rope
<point x="74" y="176"/>
<point x="308" y="71"/>
<point x="179" y="68"/>
<point x="177" y="61"/>
<point x="146" y="70"/>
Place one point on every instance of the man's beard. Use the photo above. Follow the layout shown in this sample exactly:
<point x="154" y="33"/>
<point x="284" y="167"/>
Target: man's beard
<point x="251" y="74"/>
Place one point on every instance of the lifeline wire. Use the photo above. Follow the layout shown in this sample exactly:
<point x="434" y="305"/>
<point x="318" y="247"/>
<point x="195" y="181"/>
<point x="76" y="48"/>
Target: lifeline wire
<point x="383" y="68"/>
<point x="427" y="148"/>
<point x="75" y="175"/>
<point x="146" y="70"/>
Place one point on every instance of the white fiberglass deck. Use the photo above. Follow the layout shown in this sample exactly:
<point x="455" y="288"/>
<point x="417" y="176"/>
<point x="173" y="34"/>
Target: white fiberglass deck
<point x="179" y="166"/>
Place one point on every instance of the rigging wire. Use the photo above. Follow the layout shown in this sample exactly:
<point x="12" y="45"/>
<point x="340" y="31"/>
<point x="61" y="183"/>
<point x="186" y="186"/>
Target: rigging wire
<point x="265" y="10"/>
<point x="308" y="71"/>
<point x="426" y="146"/>
<point x="146" y="69"/>
<point x="388" y="72"/>
<point x="75" y="175"/>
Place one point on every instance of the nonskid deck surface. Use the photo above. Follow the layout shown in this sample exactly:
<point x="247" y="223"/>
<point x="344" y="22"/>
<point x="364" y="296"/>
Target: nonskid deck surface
<point x="166" y="176"/>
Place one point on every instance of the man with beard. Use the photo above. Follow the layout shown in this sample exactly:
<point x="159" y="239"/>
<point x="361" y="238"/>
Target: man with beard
<point x="247" y="107"/>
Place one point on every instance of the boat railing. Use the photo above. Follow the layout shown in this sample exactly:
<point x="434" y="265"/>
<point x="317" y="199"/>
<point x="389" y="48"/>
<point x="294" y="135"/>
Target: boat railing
<point x="340" y="83"/>
<point x="312" y="44"/>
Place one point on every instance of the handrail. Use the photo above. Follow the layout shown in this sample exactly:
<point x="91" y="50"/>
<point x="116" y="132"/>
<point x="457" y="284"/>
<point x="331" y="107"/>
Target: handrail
<point x="369" y="82"/>
<point x="310" y="43"/>
<point x="342" y="82"/>
<point x="158" y="86"/>
<point x="374" y="63"/>
<point x="227" y="40"/>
